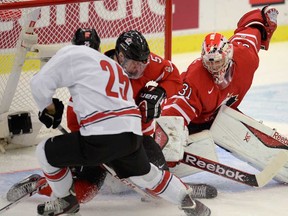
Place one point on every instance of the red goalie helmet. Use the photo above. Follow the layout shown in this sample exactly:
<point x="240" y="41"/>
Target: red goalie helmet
<point x="217" y="55"/>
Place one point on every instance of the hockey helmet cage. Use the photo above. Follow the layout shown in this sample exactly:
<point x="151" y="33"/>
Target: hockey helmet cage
<point x="217" y="54"/>
<point x="133" y="45"/>
<point x="87" y="37"/>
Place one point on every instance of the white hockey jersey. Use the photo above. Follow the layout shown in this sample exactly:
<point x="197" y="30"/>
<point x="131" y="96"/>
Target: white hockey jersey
<point x="101" y="91"/>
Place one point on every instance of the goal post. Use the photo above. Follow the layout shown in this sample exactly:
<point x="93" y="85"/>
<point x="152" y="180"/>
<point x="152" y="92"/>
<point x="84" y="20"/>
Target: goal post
<point x="22" y="51"/>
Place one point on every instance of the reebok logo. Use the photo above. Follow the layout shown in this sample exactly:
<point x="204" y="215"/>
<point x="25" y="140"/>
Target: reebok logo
<point x="280" y="138"/>
<point x="214" y="168"/>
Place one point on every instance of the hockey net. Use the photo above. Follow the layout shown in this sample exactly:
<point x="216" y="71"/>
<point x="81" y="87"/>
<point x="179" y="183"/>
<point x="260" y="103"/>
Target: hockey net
<point x="55" y="28"/>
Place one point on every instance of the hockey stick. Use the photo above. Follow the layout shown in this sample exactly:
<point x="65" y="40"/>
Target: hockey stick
<point x="255" y="180"/>
<point x="146" y="195"/>
<point x="24" y="197"/>
<point x="200" y="157"/>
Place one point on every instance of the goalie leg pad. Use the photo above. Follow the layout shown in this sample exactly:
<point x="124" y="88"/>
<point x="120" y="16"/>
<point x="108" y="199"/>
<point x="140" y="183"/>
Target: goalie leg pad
<point x="236" y="132"/>
<point x="20" y="128"/>
<point x="200" y="144"/>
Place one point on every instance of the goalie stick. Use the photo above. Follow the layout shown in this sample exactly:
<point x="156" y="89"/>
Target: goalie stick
<point x="259" y="179"/>
<point x="202" y="160"/>
<point x="255" y="180"/>
<point x="145" y="194"/>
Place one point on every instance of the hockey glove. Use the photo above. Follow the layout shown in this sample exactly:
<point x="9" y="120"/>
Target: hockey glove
<point x="52" y="119"/>
<point x="265" y="20"/>
<point x="149" y="102"/>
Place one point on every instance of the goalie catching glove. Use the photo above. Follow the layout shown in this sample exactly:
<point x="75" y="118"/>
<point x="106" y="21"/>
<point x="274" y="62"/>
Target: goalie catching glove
<point x="149" y="102"/>
<point x="53" y="119"/>
<point x="265" y="20"/>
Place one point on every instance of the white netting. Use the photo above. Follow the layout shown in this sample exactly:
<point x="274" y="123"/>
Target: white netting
<point x="57" y="25"/>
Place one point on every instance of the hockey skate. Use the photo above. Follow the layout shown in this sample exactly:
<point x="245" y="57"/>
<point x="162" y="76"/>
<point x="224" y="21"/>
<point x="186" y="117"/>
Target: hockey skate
<point x="202" y="191"/>
<point x="194" y="207"/>
<point x="67" y="205"/>
<point x="24" y="187"/>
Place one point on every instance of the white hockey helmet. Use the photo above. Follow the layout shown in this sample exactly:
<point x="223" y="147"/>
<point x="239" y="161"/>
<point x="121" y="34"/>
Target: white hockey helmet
<point x="217" y="54"/>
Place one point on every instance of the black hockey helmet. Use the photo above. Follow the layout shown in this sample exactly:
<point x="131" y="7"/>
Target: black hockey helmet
<point x="133" y="45"/>
<point x="87" y="37"/>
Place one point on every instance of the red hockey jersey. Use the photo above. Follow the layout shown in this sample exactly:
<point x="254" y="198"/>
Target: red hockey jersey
<point x="200" y="97"/>
<point x="160" y="70"/>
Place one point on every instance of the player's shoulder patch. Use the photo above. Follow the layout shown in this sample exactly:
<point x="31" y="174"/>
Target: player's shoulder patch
<point x="168" y="69"/>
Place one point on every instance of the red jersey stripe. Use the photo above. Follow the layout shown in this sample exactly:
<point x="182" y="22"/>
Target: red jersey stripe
<point x="111" y="114"/>
<point x="57" y="176"/>
<point x="163" y="184"/>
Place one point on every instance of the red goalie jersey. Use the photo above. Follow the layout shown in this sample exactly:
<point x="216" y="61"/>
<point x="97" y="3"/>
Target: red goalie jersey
<point x="202" y="94"/>
<point x="225" y="71"/>
<point x="160" y="70"/>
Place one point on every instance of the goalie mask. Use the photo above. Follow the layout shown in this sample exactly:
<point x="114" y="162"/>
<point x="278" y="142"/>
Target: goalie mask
<point x="217" y="55"/>
<point x="132" y="52"/>
<point x="87" y="37"/>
